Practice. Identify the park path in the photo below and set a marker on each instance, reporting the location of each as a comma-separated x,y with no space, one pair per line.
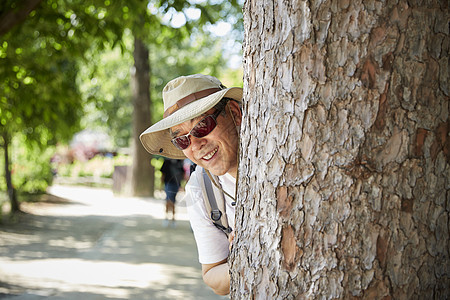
84,243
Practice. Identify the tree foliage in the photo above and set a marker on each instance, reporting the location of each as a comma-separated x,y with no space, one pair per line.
41,60
39,64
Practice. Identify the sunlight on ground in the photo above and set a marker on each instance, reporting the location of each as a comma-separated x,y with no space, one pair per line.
105,203
105,278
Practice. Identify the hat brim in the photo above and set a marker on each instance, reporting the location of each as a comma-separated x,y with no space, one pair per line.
157,139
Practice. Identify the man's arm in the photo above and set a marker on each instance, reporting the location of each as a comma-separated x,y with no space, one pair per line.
217,277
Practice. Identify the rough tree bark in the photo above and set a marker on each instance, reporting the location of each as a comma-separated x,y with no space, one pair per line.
142,172
344,182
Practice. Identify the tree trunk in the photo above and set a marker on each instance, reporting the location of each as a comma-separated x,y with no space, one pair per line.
142,172
344,181
15,205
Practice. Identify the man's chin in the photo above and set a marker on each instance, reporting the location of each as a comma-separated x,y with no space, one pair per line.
216,172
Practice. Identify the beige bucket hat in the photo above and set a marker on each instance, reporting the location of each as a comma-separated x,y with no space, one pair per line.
184,98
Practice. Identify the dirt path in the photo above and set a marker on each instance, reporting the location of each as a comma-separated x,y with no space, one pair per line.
84,243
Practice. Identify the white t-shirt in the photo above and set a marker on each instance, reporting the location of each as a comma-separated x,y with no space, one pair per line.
212,243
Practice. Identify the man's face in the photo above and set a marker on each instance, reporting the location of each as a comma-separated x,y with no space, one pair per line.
216,152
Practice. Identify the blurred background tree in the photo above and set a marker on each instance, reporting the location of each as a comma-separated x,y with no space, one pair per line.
68,66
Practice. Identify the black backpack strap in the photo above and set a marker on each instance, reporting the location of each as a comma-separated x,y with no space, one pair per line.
214,203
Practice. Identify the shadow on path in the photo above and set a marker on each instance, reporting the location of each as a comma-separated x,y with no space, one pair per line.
84,243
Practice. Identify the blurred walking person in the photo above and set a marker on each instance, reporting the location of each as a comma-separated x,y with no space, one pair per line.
172,175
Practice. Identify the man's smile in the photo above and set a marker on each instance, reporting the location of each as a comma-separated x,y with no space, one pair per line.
210,154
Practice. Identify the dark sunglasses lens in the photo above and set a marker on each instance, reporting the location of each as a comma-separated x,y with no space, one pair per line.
204,127
181,142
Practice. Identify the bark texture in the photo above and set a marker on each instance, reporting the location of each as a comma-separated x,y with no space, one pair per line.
142,172
344,177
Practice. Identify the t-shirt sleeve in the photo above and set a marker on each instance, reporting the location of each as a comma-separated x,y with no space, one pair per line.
212,243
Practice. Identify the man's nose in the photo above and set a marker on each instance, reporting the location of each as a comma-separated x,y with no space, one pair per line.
197,143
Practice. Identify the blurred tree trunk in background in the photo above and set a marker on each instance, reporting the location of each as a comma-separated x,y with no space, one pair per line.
344,181
15,205
142,172
11,18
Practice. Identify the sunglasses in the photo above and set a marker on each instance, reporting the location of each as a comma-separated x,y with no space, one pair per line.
201,129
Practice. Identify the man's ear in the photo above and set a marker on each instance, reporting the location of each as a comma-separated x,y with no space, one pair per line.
236,111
